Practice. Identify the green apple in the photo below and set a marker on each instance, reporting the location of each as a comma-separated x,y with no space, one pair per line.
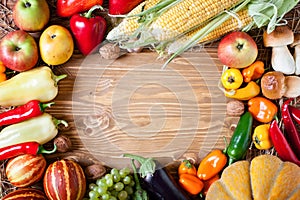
31,15
56,45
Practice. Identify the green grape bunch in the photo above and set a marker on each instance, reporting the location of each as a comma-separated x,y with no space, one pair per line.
116,185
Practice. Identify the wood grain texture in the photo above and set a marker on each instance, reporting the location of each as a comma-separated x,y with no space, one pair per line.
131,105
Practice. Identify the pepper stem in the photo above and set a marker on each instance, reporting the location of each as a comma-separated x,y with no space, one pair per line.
231,161
59,121
43,106
58,78
44,151
89,13
226,145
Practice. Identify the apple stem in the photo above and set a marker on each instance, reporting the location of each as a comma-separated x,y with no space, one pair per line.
27,4
240,46
89,13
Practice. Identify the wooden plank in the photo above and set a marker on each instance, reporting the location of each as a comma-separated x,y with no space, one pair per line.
131,105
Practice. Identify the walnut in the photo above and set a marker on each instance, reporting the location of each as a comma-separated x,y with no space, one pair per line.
235,108
63,143
110,51
95,171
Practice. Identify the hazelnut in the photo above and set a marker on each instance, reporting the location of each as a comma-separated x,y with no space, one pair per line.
95,171
63,143
235,108
110,51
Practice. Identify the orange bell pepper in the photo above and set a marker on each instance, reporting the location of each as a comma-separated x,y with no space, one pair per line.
254,71
211,164
186,167
262,109
2,72
208,183
191,183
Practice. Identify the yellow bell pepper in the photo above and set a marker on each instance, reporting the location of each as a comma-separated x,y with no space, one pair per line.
232,79
41,129
251,90
39,83
261,138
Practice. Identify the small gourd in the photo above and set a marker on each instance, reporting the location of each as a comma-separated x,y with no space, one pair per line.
265,177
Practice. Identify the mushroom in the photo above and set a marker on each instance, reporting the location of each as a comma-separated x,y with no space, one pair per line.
279,39
296,45
273,85
292,86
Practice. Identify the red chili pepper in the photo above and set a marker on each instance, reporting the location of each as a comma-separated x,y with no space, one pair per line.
281,145
292,134
88,31
67,8
31,109
295,112
33,148
120,7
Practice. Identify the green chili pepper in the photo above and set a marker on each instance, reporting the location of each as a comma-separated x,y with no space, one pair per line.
240,139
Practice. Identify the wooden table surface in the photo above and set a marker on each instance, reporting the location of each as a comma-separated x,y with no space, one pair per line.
131,105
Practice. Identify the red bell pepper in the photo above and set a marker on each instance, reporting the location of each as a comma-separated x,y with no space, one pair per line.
281,145
67,8
292,134
88,30
33,148
121,7
31,109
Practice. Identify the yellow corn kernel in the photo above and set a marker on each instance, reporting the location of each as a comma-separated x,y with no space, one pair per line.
130,24
241,20
186,15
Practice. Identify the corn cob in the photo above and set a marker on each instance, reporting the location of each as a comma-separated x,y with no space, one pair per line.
186,15
130,24
241,20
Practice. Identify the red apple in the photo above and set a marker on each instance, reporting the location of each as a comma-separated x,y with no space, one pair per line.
31,15
237,50
18,51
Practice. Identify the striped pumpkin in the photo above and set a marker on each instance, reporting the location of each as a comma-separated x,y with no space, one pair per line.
64,180
25,194
25,170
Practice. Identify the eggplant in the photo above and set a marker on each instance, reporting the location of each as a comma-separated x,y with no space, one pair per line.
157,181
